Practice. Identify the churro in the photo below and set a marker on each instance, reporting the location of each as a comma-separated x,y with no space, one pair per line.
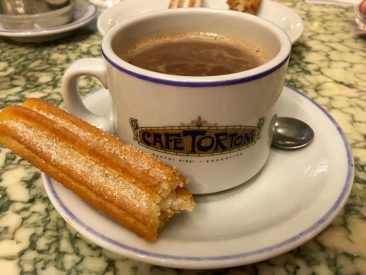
133,188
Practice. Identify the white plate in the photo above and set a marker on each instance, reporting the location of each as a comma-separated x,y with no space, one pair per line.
295,196
281,15
84,13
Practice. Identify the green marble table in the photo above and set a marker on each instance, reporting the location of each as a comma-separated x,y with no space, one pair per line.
328,64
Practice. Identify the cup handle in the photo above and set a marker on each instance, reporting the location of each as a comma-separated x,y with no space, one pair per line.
86,66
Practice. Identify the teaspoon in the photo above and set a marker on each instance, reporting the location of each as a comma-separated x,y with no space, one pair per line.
290,133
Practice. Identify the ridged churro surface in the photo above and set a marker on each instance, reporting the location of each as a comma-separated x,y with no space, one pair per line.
130,186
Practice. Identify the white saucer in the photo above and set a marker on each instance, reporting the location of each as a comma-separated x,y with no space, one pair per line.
296,195
279,14
84,13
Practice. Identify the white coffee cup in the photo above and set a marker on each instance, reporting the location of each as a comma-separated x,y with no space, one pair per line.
216,130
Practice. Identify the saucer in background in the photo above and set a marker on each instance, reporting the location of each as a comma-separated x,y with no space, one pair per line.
272,11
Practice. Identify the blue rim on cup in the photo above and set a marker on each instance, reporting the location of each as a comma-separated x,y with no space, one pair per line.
276,62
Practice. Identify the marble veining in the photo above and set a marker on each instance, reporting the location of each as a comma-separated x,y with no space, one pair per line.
328,63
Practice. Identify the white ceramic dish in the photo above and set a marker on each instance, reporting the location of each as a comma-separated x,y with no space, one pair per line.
294,197
279,14
84,13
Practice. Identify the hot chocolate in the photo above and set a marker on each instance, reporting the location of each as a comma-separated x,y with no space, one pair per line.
194,54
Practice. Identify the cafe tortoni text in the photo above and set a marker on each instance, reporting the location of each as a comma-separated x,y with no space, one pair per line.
197,138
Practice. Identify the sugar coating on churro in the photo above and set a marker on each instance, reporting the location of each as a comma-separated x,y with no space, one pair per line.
106,181
155,173
104,171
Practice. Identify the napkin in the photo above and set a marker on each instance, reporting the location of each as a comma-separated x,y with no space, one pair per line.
334,2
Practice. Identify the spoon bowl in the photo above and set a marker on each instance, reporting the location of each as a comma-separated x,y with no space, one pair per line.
291,133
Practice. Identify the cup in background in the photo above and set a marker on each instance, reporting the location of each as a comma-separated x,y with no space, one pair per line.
35,15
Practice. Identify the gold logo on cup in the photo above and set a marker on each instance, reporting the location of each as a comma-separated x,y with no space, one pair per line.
199,138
